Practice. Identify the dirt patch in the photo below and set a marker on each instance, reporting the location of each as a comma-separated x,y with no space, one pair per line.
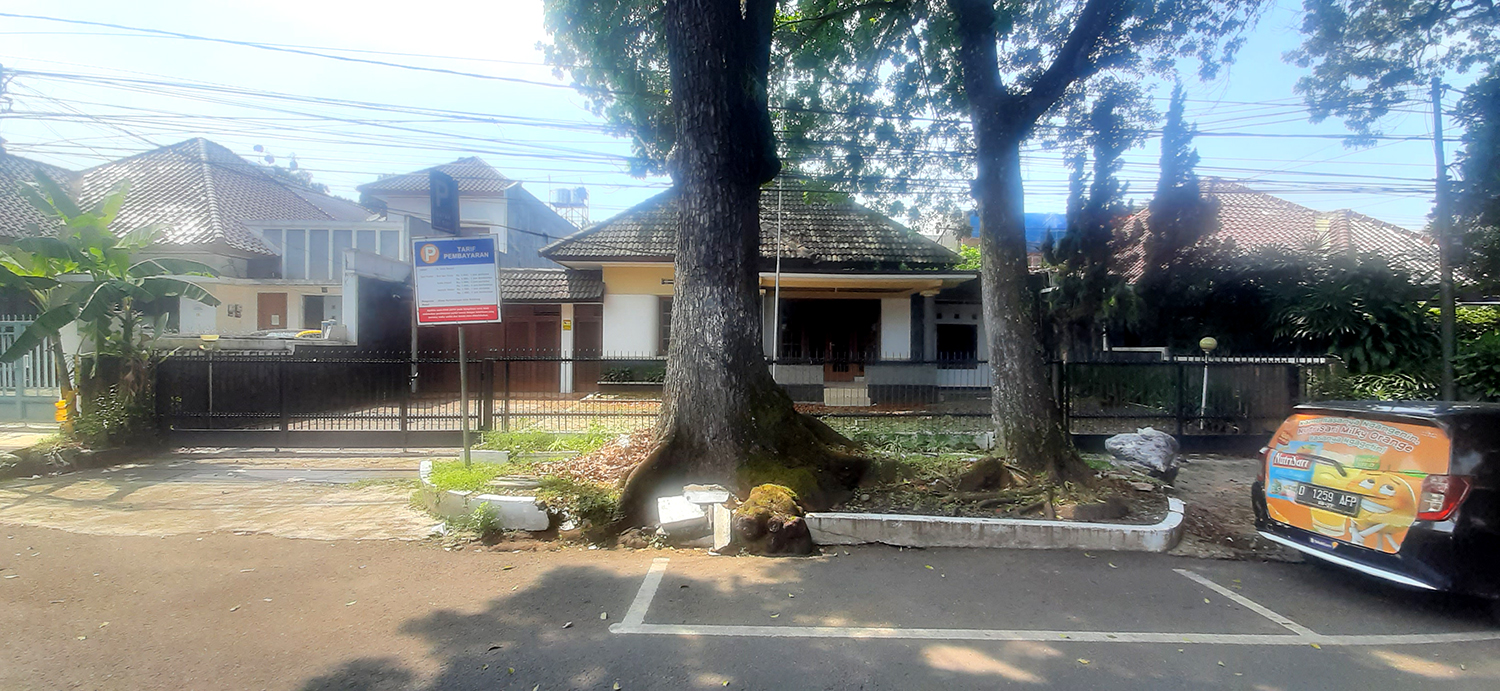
610,463
931,486
1220,521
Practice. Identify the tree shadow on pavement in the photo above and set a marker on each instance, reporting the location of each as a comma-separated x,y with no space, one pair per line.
550,636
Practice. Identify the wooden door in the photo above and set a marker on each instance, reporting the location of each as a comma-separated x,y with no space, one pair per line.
270,311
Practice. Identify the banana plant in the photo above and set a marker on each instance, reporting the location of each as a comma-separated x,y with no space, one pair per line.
78,270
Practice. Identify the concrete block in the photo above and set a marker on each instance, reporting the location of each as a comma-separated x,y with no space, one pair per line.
512,513
705,494
488,456
720,517
941,531
680,517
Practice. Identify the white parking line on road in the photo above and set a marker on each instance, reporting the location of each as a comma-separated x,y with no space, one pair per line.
1247,603
635,617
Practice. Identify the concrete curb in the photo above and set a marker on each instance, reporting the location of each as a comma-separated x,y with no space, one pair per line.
513,513
905,530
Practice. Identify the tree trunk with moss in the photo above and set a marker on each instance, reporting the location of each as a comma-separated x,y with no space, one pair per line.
724,419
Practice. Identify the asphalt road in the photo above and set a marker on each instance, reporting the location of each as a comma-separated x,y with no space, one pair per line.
221,611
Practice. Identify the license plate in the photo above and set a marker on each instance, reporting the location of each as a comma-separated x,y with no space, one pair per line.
1337,501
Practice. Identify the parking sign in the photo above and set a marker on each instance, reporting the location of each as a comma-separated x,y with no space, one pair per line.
456,280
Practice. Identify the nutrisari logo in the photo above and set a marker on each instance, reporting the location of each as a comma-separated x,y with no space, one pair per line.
1282,459
429,253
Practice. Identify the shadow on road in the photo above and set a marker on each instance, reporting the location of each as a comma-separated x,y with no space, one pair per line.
519,640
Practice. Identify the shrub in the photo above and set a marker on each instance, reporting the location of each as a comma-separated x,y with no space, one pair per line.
589,502
1478,369
1377,387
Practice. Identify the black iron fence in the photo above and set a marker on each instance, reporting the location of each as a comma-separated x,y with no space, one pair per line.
221,399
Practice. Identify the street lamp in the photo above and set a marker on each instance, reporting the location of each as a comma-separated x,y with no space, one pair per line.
1208,344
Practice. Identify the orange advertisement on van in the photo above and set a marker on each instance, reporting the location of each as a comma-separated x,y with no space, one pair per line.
1352,480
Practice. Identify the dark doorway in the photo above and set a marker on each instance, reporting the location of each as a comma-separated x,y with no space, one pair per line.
841,334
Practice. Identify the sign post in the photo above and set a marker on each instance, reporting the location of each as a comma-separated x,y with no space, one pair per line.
457,282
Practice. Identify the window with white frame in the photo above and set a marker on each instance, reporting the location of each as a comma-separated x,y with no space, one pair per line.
316,254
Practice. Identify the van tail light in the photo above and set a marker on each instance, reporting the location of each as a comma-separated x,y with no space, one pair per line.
1441,494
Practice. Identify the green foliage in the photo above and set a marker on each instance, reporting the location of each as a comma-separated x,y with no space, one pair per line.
892,442
1476,192
633,374
770,471
1368,58
107,291
454,475
1360,308
1089,293
1371,387
968,258
1181,219
113,418
616,54
482,520
534,440
590,502
1477,367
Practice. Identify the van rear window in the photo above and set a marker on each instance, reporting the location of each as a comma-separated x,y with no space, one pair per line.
1352,479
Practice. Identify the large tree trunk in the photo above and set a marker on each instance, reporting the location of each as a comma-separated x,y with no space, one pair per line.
724,419
1027,418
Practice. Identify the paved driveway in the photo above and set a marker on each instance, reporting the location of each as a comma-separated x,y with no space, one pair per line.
179,495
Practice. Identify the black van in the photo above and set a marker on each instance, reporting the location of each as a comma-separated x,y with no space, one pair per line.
1404,491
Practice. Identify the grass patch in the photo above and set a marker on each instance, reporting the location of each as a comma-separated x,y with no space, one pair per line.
534,440
588,502
393,483
475,478
931,424
1099,462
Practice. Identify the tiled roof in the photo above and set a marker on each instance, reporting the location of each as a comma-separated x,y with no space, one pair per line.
17,216
1253,220
472,174
551,285
204,194
814,234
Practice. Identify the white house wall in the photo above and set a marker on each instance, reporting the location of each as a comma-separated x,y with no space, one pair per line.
630,325
895,328
472,211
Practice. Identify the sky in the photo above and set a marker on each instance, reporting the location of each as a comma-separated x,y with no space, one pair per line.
85,95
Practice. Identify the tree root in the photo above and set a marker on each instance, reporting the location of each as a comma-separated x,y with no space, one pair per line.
802,448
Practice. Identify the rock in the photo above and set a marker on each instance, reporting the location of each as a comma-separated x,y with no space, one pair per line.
985,474
1106,510
1143,486
1148,449
635,538
770,522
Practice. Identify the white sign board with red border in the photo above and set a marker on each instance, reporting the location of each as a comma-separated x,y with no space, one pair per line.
457,281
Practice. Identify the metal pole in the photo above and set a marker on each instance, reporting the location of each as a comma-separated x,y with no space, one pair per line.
463,394
1440,226
776,299
1203,404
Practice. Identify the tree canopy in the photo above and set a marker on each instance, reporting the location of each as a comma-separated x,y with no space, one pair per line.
1368,57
